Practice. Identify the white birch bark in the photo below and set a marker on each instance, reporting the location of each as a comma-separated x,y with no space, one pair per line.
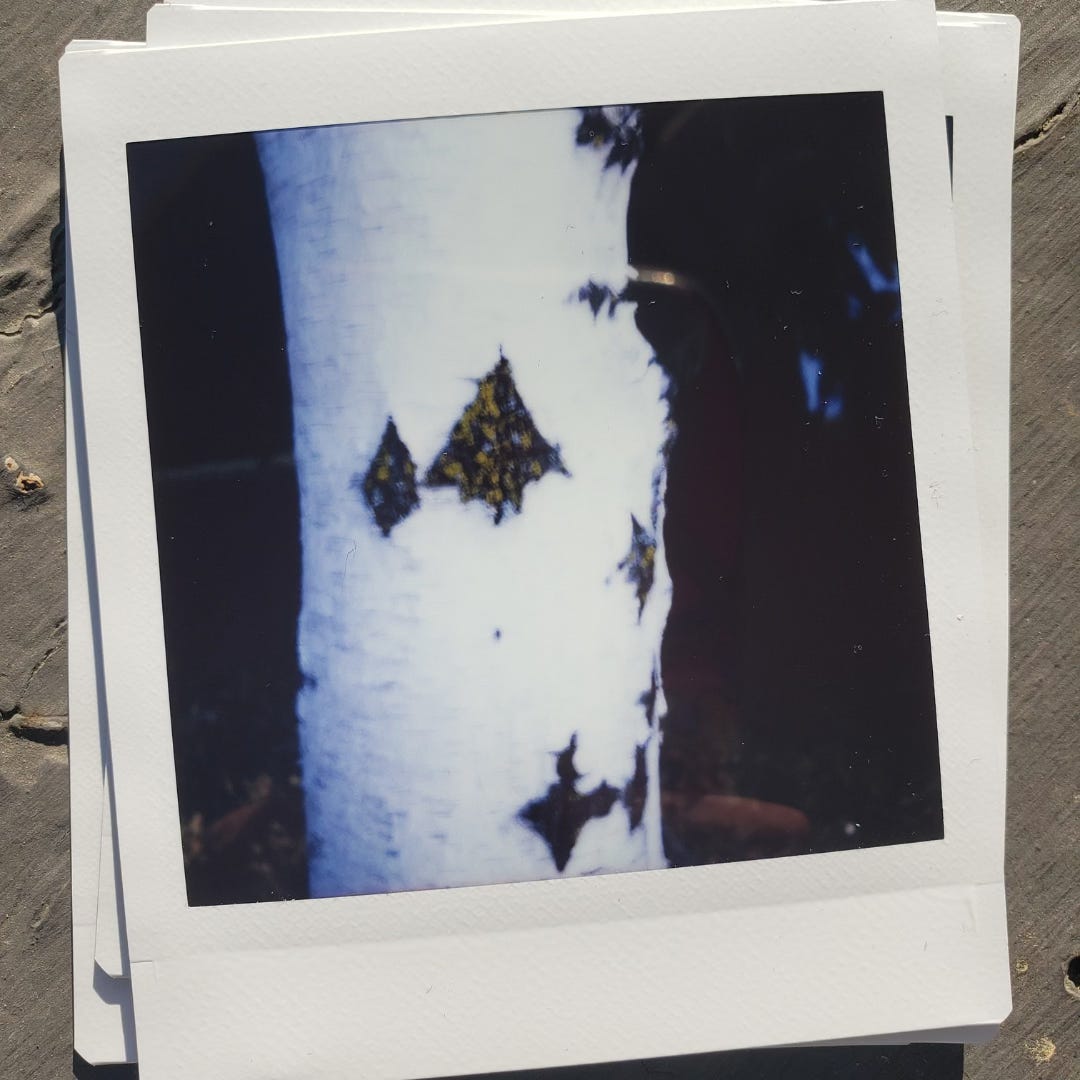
447,663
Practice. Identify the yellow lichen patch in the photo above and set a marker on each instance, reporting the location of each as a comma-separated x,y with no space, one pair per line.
389,486
648,557
10,464
1040,1050
1021,967
640,562
494,449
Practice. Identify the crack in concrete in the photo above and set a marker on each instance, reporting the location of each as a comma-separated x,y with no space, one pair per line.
1038,134
37,667
33,316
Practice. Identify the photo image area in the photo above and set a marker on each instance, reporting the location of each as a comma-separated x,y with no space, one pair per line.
535,495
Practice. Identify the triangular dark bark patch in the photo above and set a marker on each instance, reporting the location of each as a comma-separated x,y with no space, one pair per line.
389,485
495,449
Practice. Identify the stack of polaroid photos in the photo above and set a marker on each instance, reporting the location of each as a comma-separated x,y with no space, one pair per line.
537,532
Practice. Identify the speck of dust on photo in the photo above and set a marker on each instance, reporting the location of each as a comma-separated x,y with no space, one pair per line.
535,495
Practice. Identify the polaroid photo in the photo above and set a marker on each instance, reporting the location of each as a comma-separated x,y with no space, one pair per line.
175,25
396,934
981,59
560,9
103,1021
103,1018
186,25
205,24
979,63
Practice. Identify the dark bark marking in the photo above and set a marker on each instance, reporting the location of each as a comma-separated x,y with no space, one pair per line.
648,698
389,485
562,813
495,448
640,562
637,788
616,128
596,296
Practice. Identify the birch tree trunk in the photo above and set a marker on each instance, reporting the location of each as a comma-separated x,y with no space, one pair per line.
480,459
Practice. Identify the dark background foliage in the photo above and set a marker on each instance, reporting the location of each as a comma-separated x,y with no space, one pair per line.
797,658
220,416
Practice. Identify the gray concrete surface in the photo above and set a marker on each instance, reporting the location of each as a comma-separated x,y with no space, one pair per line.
1041,1039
